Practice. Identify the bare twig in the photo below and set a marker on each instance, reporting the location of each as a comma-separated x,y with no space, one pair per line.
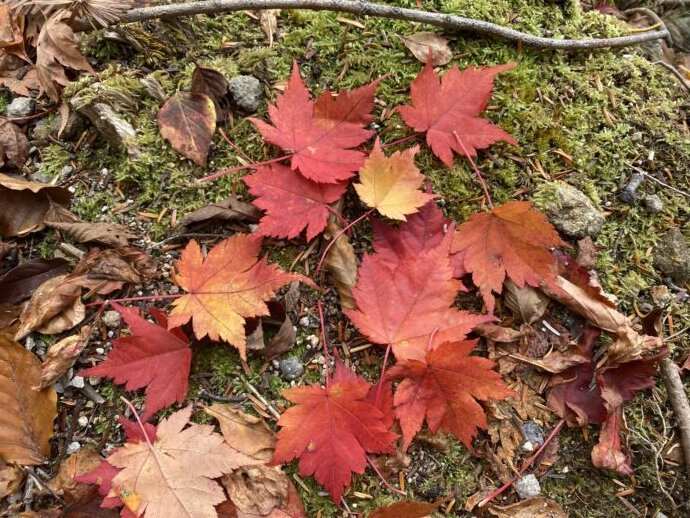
365,8
679,404
675,72
654,179
258,396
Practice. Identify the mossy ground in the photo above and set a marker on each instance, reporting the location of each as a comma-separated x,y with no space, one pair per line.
578,117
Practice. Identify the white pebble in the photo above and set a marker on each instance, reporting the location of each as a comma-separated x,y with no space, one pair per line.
73,447
83,421
77,381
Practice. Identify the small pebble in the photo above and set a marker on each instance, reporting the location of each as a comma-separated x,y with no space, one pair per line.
313,340
73,447
527,487
77,382
653,203
112,319
100,350
533,434
305,321
291,368
83,421
21,107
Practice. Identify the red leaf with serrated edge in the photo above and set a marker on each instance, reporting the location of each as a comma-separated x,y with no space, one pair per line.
292,202
151,357
321,133
410,305
444,389
448,108
512,240
330,430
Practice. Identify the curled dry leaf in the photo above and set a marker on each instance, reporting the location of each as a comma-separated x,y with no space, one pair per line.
24,205
110,234
188,121
243,432
210,83
129,264
229,209
281,336
14,146
405,509
26,420
63,484
535,507
11,478
526,303
341,263
257,490
62,355
21,281
423,44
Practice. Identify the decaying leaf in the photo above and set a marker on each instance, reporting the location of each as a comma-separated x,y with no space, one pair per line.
535,507
26,420
341,263
424,44
24,205
209,82
281,336
229,209
228,285
110,234
106,270
62,355
73,466
21,281
526,303
14,146
391,184
257,490
245,433
11,478
268,19
173,477
405,509
188,121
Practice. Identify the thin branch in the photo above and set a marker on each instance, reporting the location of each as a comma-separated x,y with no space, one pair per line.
679,404
654,179
365,8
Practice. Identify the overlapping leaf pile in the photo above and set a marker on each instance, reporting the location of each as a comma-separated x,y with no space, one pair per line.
403,299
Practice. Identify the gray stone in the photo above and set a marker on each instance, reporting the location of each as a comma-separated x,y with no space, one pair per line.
247,92
527,487
72,448
291,368
112,319
533,434
21,107
653,203
569,210
672,256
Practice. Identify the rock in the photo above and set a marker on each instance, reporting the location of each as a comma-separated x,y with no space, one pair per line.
112,319
21,107
569,210
291,368
83,421
77,382
73,447
527,487
533,434
247,92
653,203
672,256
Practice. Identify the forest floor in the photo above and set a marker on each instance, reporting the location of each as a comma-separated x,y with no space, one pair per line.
578,117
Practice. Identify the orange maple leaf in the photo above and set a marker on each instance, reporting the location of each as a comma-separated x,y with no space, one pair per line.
225,287
391,184
445,388
512,240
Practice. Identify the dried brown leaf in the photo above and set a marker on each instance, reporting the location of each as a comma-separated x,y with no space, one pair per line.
24,205
11,478
68,318
229,209
21,281
421,44
210,83
268,19
26,420
188,121
110,234
14,146
244,433
280,329
527,303
341,263
63,483
129,264
535,507
62,355
256,490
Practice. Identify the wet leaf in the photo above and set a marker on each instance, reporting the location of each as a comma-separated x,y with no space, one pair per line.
422,44
26,420
188,121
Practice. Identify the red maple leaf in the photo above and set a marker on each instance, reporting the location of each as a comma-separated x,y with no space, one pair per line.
321,133
444,389
330,430
512,240
448,108
292,202
151,357
409,305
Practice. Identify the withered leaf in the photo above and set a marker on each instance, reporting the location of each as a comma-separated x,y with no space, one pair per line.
273,344
188,121
24,204
256,490
14,146
526,303
26,420
268,19
21,281
62,355
11,478
210,83
229,209
129,264
245,433
341,263
110,234
77,464
535,507
421,44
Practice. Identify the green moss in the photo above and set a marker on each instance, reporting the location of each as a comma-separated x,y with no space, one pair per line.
54,158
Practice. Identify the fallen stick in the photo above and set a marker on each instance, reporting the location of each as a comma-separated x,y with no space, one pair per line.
364,8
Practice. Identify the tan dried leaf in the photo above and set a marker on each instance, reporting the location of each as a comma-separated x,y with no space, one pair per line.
110,234
245,433
63,483
14,146
341,263
422,43
24,205
174,476
11,478
256,490
229,209
268,19
68,318
26,420
62,355
527,303
535,507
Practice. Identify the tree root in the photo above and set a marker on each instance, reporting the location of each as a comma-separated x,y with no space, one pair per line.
365,8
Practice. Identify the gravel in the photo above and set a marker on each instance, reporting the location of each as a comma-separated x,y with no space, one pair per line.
247,92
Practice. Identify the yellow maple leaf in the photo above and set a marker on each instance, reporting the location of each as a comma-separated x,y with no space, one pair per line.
228,285
391,184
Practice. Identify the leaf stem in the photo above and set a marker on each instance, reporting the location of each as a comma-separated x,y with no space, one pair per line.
335,238
232,170
324,339
141,425
524,467
476,170
400,141
337,215
383,479
135,299
383,372
234,146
